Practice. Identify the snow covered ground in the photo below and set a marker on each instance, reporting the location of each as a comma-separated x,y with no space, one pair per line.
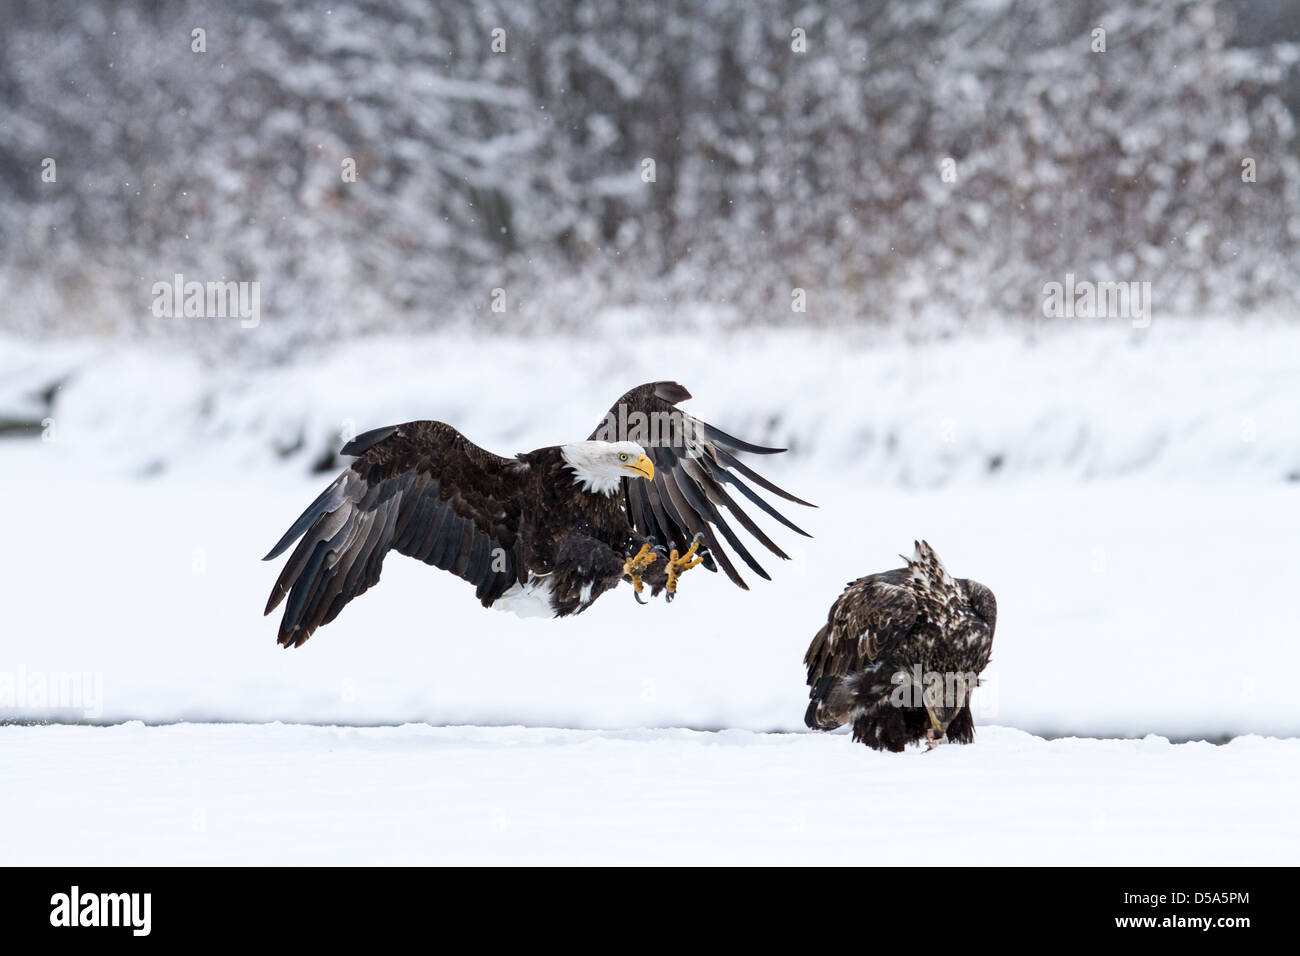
1126,608
1130,496
1123,491
280,794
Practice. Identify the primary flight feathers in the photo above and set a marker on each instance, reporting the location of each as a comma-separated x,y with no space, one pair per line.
545,532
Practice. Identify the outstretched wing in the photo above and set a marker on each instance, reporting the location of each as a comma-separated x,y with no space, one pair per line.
695,464
420,488
872,613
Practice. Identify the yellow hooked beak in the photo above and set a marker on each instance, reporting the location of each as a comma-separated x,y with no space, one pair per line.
643,466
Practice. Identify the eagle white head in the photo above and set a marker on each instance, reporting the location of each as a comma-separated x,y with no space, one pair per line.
601,466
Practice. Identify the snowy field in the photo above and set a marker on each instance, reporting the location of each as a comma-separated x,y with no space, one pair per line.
278,794
1129,495
1113,619
1138,530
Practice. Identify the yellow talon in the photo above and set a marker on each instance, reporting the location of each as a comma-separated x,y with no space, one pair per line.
634,565
679,563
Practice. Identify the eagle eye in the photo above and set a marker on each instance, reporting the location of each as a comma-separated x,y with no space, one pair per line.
622,456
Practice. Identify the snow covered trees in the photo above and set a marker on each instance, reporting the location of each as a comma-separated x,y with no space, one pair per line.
381,165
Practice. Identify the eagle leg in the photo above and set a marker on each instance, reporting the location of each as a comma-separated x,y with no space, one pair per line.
684,562
637,563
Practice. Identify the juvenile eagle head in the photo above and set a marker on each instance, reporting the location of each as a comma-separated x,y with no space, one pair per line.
601,466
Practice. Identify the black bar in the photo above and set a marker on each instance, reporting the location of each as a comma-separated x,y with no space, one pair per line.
214,905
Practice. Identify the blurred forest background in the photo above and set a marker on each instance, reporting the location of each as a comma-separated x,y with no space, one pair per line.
522,170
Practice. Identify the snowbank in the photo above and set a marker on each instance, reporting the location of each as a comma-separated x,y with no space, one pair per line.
1209,400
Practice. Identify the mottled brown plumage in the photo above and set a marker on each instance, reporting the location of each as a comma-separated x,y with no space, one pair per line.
900,653
548,528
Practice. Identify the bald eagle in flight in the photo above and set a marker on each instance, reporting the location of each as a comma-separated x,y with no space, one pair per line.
543,533
900,653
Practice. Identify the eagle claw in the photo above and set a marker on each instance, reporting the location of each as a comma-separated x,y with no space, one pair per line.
633,567
683,562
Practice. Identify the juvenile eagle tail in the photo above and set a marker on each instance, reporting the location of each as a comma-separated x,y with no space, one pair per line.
830,706
925,567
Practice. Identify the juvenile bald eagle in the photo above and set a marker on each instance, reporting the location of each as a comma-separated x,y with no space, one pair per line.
543,533
900,653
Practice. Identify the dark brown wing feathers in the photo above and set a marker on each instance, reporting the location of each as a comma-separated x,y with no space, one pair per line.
983,601
871,613
692,464
421,489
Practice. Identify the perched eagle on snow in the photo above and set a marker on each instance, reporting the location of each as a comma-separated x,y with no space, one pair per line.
900,653
543,533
